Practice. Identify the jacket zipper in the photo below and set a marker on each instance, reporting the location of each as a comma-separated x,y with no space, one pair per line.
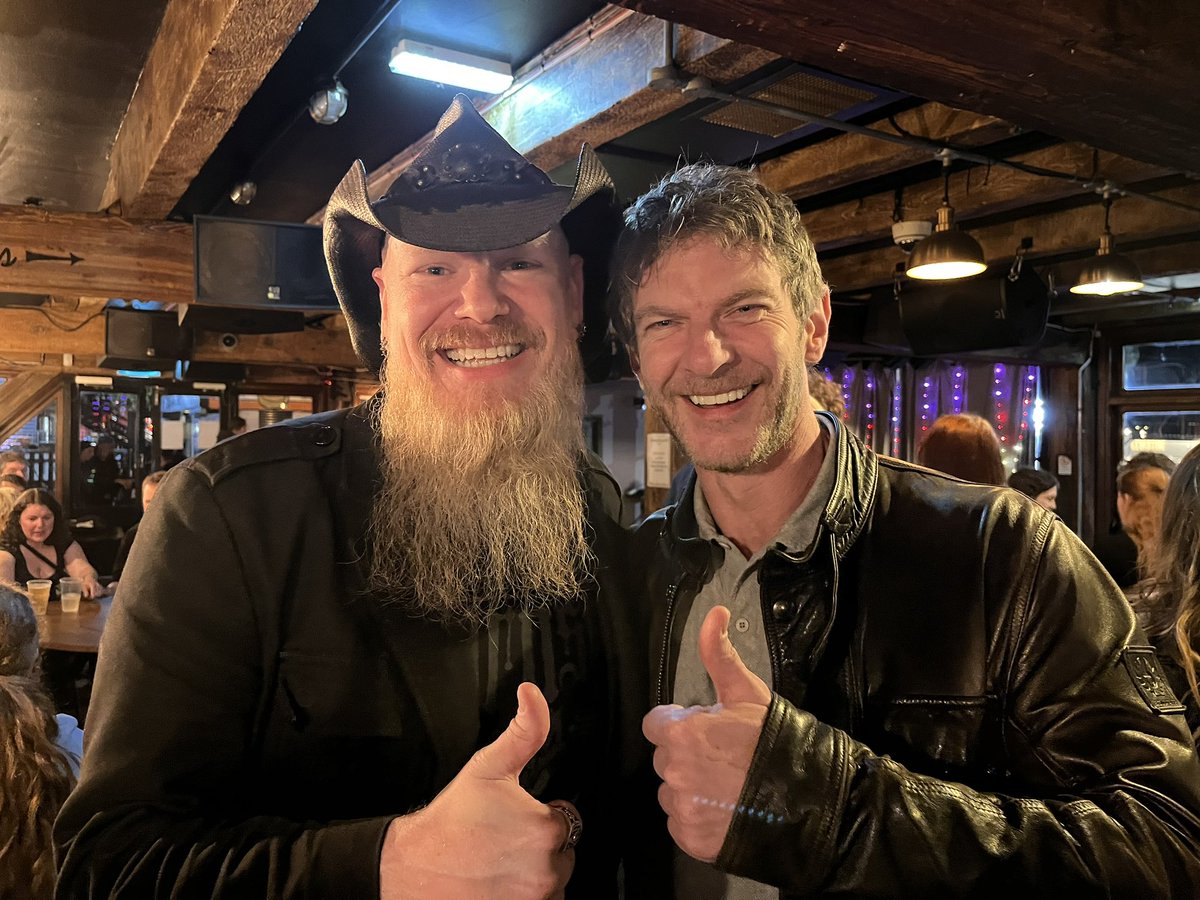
663,656
773,643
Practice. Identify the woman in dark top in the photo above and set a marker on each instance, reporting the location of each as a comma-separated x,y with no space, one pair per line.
36,543
1168,602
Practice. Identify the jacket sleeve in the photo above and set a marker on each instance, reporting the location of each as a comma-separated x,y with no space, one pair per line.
1103,795
160,809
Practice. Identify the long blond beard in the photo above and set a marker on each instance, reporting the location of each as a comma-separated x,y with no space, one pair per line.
480,509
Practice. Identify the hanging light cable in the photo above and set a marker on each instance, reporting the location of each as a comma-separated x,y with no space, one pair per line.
948,253
1108,273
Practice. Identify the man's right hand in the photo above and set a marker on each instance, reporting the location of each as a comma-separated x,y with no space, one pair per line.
483,836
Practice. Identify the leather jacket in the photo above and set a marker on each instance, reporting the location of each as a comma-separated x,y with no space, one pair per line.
258,719
962,702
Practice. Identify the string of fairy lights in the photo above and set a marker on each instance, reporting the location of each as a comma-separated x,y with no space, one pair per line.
939,393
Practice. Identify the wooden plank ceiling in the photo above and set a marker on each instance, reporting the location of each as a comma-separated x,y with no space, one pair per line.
1101,88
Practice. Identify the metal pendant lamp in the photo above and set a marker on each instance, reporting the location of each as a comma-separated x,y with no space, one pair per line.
948,253
1108,273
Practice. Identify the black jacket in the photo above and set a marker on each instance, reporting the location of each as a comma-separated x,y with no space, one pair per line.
257,721
963,704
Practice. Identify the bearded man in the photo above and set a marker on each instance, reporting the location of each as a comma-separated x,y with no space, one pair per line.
372,653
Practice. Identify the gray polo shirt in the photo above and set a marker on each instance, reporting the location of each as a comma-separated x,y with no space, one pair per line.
735,585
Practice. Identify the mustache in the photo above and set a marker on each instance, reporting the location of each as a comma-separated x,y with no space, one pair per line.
482,336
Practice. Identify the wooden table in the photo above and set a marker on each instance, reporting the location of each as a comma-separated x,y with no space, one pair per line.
74,632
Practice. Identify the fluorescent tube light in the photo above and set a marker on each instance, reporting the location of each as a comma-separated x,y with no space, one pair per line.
450,67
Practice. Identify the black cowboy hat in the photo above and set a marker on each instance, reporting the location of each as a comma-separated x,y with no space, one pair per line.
467,190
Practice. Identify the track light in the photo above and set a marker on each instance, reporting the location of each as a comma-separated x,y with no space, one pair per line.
1108,273
465,70
329,104
947,253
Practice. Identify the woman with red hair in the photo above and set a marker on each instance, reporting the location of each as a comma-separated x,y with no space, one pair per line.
965,446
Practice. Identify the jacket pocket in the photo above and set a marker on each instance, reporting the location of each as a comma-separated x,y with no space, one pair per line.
345,735
326,696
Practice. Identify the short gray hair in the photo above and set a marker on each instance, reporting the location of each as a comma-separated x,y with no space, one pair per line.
722,202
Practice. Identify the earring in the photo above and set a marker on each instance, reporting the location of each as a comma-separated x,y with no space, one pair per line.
581,329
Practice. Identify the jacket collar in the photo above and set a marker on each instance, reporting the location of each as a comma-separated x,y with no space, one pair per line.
850,502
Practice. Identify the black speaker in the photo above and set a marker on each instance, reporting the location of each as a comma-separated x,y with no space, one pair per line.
143,339
262,265
883,327
239,320
983,313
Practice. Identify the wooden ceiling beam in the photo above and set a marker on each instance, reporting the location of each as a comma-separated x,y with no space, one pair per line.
90,254
209,58
311,347
851,158
975,193
49,332
1056,233
592,86
1108,74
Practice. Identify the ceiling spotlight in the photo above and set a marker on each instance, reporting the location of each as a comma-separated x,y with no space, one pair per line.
328,105
465,70
243,193
947,253
1108,273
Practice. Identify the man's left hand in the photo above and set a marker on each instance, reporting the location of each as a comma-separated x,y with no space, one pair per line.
702,753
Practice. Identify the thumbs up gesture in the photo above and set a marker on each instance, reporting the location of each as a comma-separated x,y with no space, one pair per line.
702,753
484,836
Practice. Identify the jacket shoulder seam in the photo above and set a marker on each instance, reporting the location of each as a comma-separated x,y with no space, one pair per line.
309,438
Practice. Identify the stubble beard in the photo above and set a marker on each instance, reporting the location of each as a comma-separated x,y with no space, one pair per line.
481,507
771,436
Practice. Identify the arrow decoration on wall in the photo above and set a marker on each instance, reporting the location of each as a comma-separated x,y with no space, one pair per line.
30,256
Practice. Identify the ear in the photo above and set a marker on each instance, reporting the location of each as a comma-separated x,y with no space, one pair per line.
377,275
816,331
575,289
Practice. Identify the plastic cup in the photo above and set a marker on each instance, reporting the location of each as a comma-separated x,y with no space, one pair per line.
39,594
71,590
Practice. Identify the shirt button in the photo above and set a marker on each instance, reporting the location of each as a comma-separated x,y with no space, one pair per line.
324,436
783,609
742,625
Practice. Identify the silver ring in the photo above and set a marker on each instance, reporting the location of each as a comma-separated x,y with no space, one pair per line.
574,824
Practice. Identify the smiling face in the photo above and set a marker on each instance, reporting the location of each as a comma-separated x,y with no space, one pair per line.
37,523
480,326
722,353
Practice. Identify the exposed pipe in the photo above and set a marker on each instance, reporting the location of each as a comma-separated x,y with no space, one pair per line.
366,34
702,87
1078,468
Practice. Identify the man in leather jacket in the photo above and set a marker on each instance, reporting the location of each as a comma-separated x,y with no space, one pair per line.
381,652
874,679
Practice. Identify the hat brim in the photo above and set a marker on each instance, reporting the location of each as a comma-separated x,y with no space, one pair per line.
354,231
